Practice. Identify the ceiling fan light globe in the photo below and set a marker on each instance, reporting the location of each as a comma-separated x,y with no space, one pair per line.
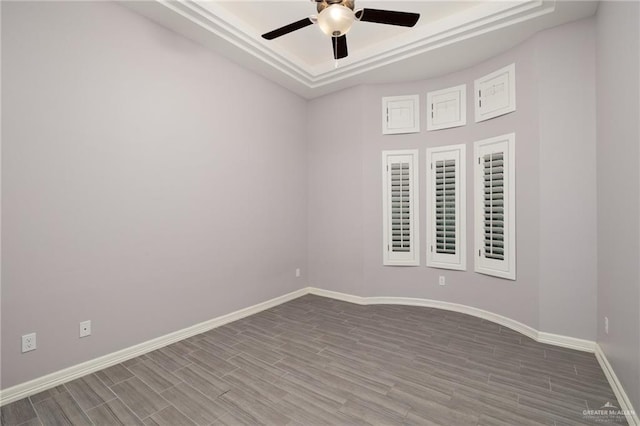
336,20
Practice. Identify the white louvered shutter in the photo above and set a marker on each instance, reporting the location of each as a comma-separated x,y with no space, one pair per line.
446,207
400,207
495,206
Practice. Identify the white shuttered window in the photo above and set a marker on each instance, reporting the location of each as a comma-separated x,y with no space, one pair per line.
495,214
446,207
400,208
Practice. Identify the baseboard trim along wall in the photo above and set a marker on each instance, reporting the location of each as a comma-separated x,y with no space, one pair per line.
49,381
52,380
618,390
552,339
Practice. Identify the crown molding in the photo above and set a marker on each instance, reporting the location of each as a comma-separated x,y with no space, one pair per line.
430,49
222,25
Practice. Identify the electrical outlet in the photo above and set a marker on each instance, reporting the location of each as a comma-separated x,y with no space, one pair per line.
297,272
441,280
85,328
606,325
29,342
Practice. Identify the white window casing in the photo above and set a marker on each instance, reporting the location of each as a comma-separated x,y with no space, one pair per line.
495,93
400,114
401,243
447,108
495,206
446,207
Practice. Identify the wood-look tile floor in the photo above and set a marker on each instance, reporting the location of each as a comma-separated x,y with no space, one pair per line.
317,361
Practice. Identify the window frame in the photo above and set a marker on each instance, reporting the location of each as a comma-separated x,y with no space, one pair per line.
412,103
391,258
505,268
456,94
482,112
441,260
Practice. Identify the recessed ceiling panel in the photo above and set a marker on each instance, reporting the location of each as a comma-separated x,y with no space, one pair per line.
449,35
313,47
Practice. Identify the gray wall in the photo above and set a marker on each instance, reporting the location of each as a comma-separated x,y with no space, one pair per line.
147,184
555,157
618,150
567,125
335,223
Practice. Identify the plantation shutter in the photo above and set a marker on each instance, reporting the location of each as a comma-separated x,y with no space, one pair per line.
493,203
445,205
495,206
446,215
400,208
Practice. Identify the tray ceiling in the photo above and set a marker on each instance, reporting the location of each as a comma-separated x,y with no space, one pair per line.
450,35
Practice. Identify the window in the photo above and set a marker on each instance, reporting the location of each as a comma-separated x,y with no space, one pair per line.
401,245
446,207
495,93
495,214
447,108
400,114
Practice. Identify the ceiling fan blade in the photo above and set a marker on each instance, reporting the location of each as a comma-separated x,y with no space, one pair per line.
389,17
288,28
339,47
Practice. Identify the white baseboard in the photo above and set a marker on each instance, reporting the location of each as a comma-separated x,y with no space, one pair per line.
553,339
618,390
463,309
57,378
358,300
566,342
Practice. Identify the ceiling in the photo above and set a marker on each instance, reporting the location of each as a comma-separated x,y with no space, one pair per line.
449,36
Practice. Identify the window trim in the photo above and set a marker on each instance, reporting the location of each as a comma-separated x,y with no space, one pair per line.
481,113
499,268
388,255
459,261
414,102
457,94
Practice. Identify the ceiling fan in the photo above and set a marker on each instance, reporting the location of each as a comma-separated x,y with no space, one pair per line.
335,18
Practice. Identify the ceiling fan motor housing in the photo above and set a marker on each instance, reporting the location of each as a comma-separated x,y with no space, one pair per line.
323,4
335,18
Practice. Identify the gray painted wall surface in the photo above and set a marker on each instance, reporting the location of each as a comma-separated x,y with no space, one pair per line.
566,113
147,184
335,221
618,150
548,280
